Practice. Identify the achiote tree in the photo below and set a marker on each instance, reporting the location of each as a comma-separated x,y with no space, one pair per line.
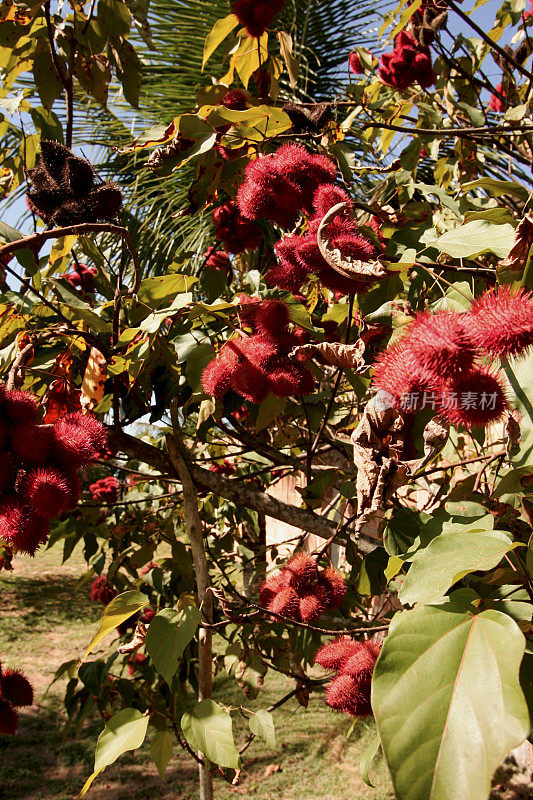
352,312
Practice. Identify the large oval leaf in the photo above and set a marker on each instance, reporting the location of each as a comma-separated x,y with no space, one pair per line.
168,635
208,728
477,237
448,558
447,701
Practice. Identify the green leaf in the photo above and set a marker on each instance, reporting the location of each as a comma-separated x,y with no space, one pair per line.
519,374
262,724
367,758
221,29
161,751
498,188
125,731
208,727
153,292
450,557
121,608
447,701
292,63
269,410
168,635
77,308
477,237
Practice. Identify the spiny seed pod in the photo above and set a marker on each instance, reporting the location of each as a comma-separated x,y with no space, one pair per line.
395,372
78,439
271,317
8,718
302,571
272,586
355,63
102,591
474,399
291,380
19,407
346,695
334,587
105,489
361,664
440,345
500,322
16,688
286,603
335,653
326,196
48,491
32,533
256,15
408,63
311,607
32,443
217,378
8,472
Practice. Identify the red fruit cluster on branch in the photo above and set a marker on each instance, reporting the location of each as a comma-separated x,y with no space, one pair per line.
298,256
408,63
233,230
442,355
225,468
259,364
105,489
279,186
495,103
218,260
38,479
15,691
354,663
256,15
235,99
302,591
102,591
354,62
82,278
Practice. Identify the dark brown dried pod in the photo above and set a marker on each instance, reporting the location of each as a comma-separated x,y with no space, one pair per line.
312,119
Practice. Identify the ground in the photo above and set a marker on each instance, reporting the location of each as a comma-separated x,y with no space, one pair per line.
48,620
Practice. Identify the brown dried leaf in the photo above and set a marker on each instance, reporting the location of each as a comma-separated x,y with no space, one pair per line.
512,430
518,255
302,694
139,637
92,388
339,355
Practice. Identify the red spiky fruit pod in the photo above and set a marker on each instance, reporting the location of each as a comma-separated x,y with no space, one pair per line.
440,345
226,468
11,518
250,382
495,103
148,615
355,63
79,439
286,603
333,587
219,260
271,587
8,472
256,15
235,99
301,571
48,492
31,443
360,665
271,317
267,192
395,372
105,489
32,533
82,279
102,591
20,408
290,272
500,322
326,196
335,653
408,63
8,718
235,231
305,170
347,695
16,688
311,606
474,399
291,380
216,378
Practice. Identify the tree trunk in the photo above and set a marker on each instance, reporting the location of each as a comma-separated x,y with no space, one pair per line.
194,528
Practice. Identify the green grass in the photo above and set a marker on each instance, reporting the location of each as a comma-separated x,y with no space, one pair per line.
45,622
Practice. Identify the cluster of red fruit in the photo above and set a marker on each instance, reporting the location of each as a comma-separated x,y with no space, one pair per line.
256,15
225,468
102,591
15,691
354,663
443,354
496,103
82,278
255,365
409,62
232,229
39,467
298,256
105,489
301,591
